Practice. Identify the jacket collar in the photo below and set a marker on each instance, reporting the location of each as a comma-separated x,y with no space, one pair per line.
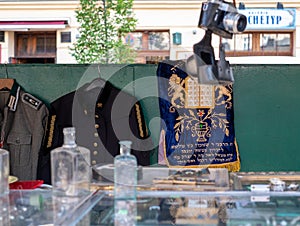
14,97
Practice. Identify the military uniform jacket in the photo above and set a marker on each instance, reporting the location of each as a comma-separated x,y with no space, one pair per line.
23,124
102,117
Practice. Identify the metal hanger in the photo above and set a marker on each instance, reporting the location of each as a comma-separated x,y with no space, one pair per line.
96,83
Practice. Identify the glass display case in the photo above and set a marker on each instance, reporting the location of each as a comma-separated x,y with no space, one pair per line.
38,207
167,197
281,181
238,208
181,196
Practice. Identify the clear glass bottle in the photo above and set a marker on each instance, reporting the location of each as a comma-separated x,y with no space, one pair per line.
4,171
125,182
6,214
70,167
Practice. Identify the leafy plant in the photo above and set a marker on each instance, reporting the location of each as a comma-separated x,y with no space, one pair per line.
103,25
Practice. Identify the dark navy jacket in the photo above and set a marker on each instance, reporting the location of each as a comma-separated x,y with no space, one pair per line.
102,117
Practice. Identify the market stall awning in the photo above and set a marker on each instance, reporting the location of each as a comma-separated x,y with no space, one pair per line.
33,25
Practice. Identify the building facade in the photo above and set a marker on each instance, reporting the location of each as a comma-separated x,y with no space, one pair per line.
43,31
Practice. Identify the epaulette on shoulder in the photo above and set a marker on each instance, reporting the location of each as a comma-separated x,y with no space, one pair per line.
143,131
31,101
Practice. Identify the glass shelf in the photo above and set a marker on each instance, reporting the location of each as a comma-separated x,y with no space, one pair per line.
206,208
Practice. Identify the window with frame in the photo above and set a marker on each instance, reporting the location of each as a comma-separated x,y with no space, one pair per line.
260,44
151,45
65,37
35,44
2,36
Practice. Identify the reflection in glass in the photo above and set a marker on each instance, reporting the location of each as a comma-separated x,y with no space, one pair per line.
239,42
134,40
158,41
267,42
275,42
148,40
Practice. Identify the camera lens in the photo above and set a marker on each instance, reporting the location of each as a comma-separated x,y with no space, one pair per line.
235,22
241,23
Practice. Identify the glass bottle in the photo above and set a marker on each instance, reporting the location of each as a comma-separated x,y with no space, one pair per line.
70,167
125,182
4,171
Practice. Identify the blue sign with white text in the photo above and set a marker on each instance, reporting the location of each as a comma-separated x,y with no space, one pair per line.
270,19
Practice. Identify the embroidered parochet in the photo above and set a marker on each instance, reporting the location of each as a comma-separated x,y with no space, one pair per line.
198,120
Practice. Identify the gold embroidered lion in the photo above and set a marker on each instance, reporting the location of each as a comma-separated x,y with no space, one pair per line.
224,95
176,91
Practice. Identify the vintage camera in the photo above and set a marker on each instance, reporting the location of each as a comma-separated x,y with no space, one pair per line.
222,18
